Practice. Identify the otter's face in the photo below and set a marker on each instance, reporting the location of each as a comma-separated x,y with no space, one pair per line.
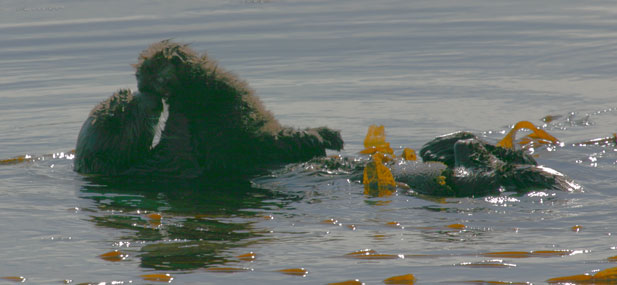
158,75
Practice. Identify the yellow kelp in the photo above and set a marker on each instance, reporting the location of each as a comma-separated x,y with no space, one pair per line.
605,276
29,158
19,279
538,136
401,279
251,256
158,277
114,256
378,180
409,154
375,141
528,254
294,271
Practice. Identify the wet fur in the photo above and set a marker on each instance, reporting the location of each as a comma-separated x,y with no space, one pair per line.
118,133
216,124
476,168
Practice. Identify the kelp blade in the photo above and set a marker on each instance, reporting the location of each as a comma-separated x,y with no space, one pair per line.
538,135
409,154
375,141
378,180
401,279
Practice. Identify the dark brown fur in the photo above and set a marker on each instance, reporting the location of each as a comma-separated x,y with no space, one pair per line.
216,124
118,133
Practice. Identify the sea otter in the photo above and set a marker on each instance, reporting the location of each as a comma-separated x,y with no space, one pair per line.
215,124
462,165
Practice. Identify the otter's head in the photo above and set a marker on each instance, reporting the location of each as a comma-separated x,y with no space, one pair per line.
162,68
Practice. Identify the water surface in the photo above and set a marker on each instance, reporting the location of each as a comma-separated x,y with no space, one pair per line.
420,68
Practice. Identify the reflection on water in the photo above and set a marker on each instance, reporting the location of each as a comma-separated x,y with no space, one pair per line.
197,224
420,68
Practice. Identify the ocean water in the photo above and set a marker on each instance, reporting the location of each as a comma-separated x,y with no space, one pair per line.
420,68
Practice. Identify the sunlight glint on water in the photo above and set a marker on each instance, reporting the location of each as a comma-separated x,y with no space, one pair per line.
420,68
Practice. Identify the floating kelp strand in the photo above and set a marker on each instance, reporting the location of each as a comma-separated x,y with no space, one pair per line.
158,277
401,279
294,271
456,226
69,155
528,254
394,224
154,219
19,279
251,256
155,216
605,276
537,136
331,221
114,256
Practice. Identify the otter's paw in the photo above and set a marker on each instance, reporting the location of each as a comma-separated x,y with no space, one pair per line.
332,139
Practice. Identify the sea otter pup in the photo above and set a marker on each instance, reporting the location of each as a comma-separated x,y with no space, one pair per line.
462,165
215,124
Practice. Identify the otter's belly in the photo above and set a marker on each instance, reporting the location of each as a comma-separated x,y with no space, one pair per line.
436,179
422,177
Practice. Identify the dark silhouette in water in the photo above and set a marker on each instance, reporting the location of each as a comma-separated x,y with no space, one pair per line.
215,125
462,165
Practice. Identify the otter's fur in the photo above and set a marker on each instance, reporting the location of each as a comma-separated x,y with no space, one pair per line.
216,124
118,133
462,165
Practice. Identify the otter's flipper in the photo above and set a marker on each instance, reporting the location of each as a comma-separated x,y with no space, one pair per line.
299,145
118,133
